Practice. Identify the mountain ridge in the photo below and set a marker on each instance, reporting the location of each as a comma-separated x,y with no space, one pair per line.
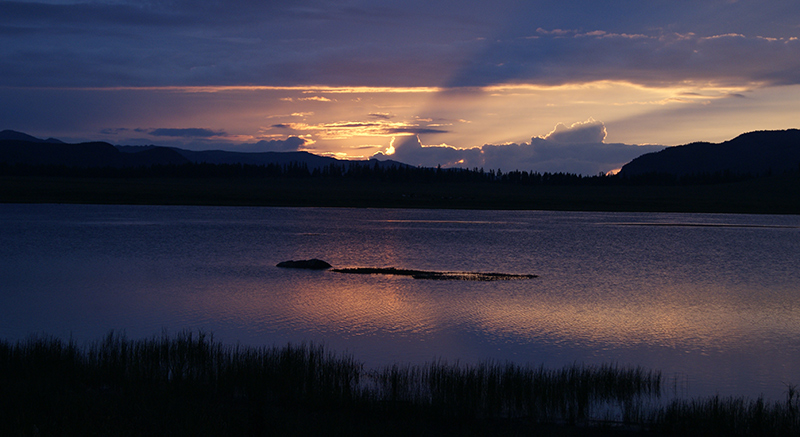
81,155
755,153
14,135
21,148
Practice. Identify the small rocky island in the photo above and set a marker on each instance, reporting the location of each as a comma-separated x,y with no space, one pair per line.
309,264
317,264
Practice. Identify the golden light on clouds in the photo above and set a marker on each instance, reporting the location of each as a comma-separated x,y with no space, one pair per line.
349,129
465,75
390,150
352,121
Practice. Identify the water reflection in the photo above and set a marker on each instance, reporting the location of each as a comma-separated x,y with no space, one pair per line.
386,320
712,326
714,298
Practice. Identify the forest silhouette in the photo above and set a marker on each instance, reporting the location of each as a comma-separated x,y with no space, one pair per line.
698,177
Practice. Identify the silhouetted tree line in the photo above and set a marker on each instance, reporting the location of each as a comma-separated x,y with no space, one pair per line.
370,172
704,178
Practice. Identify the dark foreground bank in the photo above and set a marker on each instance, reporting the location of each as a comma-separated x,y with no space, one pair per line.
765,195
188,384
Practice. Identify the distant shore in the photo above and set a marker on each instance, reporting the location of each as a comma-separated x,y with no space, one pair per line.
768,195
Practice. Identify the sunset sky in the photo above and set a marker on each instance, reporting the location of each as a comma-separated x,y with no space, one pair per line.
573,85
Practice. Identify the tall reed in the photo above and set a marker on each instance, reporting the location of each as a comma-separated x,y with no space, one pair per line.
190,383
493,389
731,416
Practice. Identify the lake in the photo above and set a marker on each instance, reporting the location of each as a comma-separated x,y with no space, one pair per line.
709,299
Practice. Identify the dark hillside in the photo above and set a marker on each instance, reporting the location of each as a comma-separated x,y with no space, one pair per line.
17,148
256,158
83,155
153,156
226,157
693,178
14,135
754,153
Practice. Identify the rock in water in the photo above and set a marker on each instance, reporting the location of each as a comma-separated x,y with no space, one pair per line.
444,276
311,264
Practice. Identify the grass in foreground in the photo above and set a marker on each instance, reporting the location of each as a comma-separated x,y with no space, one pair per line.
188,384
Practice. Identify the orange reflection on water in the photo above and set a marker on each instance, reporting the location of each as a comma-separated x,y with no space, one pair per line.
354,305
678,324
357,306
332,303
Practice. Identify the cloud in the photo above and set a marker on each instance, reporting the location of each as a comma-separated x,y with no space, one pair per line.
114,131
349,129
589,131
414,130
103,58
291,144
578,148
316,99
179,42
653,59
186,133
409,150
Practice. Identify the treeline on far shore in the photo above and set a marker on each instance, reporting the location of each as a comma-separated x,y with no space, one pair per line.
373,171
373,184
189,384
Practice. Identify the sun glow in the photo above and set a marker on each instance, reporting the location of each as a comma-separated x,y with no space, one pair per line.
340,120
390,150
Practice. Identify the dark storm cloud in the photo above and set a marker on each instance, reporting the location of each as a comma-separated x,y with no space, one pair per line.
114,131
413,130
154,43
578,148
123,131
655,59
186,133
291,144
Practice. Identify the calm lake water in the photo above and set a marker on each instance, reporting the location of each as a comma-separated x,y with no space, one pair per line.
710,299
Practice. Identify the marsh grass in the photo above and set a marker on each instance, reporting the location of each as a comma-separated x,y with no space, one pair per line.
572,394
731,416
188,383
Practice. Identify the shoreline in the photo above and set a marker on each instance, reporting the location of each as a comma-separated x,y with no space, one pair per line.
775,195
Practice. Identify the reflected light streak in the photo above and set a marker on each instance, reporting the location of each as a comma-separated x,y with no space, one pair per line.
388,305
350,308
706,327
